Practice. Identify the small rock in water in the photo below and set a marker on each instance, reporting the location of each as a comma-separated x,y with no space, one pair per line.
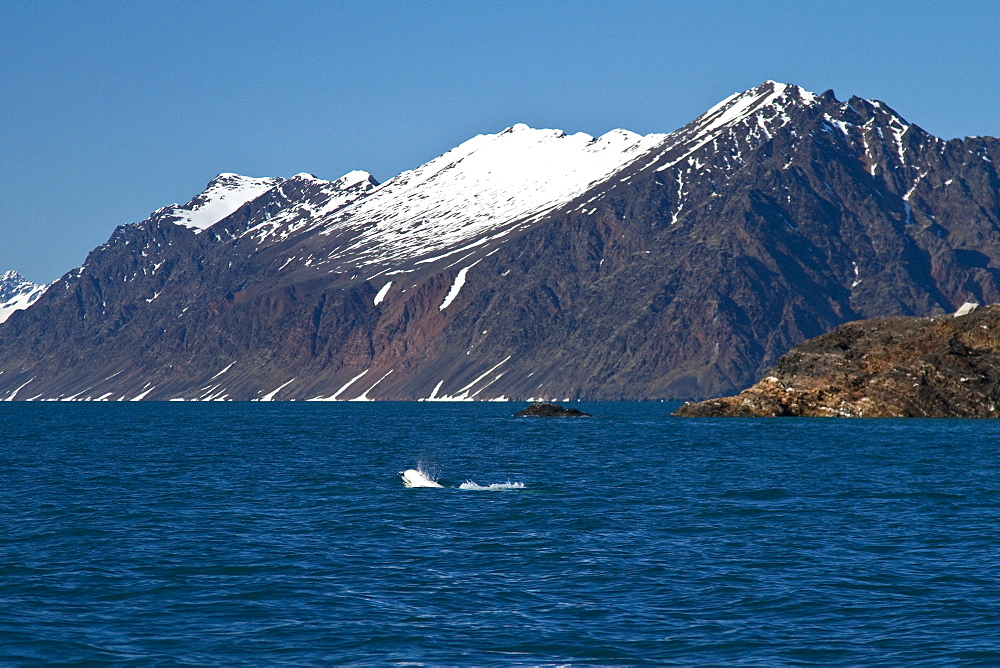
539,409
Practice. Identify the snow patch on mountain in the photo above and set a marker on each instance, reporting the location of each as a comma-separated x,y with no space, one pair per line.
17,293
382,293
456,287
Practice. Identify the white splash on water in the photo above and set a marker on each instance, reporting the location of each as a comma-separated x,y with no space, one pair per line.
419,478
468,484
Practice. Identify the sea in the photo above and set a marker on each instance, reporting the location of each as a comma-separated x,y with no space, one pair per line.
234,534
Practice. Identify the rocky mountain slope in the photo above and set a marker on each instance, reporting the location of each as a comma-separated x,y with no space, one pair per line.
531,264
941,366
17,293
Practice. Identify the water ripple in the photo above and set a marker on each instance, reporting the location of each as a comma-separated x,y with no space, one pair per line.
240,535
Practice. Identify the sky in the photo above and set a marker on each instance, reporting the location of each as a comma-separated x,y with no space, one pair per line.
110,110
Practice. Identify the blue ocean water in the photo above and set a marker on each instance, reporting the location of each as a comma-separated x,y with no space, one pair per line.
250,534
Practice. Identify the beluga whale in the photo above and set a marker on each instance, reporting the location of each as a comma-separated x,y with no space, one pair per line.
415,478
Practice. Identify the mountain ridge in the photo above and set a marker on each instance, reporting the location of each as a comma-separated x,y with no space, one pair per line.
682,270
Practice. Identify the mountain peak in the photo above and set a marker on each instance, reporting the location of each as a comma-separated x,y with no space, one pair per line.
740,106
16,293
222,196
231,181
517,127
11,276
354,178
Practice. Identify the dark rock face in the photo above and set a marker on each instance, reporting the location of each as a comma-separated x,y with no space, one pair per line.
941,366
687,273
541,409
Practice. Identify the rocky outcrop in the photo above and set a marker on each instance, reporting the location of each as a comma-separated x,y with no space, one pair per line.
941,366
542,409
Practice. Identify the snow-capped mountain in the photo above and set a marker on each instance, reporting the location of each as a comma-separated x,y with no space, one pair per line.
531,264
17,293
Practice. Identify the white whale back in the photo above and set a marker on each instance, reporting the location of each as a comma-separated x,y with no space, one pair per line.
415,478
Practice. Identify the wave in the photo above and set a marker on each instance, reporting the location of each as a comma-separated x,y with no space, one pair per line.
468,484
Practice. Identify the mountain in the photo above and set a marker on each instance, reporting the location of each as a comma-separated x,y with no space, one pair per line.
16,293
531,264
940,366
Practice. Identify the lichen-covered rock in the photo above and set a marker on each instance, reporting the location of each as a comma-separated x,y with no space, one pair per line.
539,409
942,366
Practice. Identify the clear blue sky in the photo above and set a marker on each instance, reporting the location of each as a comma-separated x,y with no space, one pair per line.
110,110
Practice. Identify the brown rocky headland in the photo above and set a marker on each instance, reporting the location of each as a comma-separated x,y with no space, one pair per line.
940,366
